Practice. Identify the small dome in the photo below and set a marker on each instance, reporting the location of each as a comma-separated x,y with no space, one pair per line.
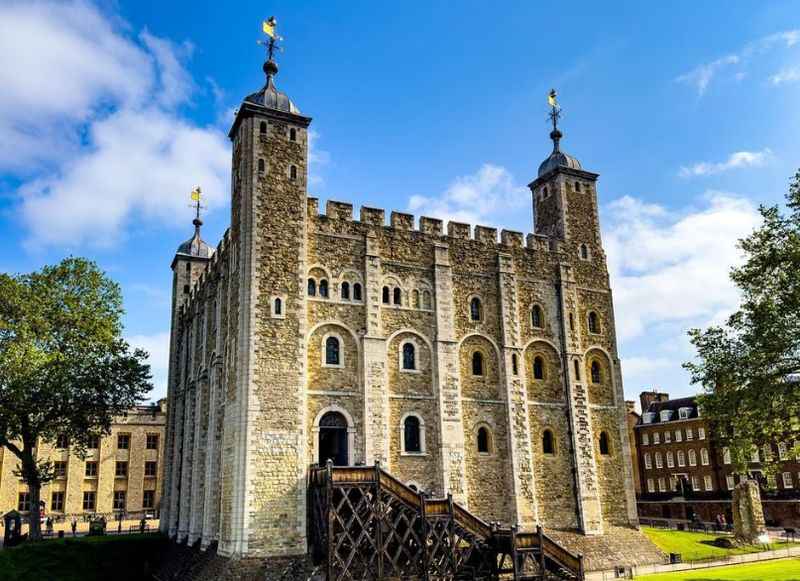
270,97
558,159
195,245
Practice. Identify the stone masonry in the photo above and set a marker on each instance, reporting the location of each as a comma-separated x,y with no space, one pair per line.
481,367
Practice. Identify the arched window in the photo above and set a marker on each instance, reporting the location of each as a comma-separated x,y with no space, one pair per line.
415,298
292,172
357,291
386,295
484,441
594,323
605,446
292,134
332,348
312,287
397,296
577,370
596,376
346,291
536,317
475,309
477,363
323,288
411,435
426,299
538,367
278,306
409,356
263,128
260,166
514,366
584,252
548,442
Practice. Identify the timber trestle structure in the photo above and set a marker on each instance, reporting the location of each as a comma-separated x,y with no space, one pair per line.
364,524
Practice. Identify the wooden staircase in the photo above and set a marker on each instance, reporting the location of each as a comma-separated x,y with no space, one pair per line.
364,524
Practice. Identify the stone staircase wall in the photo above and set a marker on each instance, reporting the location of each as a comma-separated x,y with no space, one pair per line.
616,546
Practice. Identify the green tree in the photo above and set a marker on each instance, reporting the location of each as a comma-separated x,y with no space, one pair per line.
64,367
750,367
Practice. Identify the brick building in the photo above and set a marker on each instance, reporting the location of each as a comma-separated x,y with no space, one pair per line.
122,472
468,365
685,472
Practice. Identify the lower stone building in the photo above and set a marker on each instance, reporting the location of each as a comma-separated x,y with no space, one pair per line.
121,473
685,473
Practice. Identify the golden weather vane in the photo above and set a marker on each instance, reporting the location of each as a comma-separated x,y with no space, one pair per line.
196,195
269,27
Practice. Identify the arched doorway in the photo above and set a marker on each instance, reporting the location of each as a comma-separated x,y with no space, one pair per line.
333,439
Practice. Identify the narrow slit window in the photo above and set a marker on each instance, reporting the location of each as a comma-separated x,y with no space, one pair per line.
278,307
475,309
605,446
484,441
538,367
357,291
548,443
596,375
260,166
312,287
292,134
577,370
514,366
477,363
263,128
293,172
386,295
536,317
397,296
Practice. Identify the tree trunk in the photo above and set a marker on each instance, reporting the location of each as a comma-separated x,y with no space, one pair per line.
31,476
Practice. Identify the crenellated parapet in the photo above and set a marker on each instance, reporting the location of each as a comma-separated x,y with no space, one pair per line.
338,218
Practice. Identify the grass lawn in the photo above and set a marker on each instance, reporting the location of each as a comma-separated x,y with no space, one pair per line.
781,570
698,546
101,558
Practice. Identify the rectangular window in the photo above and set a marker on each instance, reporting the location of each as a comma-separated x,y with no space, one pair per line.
89,499
656,438
681,458
767,452
152,441
754,457
670,460
645,439
123,441
692,458
659,461
647,462
651,486
704,456
730,481
695,484
62,442
57,501
151,468
701,433
678,436
771,483
121,470
667,437
661,485
119,500
24,502
726,455
781,450
93,442
60,469
689,434
149,499
91,469
787,480
708,483
683,413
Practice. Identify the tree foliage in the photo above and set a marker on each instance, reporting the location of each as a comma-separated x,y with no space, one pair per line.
750,367
64,367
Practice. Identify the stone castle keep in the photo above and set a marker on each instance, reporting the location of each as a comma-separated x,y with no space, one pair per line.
464,364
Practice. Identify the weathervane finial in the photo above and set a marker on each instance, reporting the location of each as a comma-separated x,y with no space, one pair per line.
555,115
269,27
196,195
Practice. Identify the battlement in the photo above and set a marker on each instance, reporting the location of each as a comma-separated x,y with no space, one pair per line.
433,227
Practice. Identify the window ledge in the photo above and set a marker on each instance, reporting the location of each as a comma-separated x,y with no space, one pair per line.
414,454
411,371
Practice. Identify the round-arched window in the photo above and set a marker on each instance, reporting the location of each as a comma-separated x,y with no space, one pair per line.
605,446
548,442
477,363
411,434
484,440
537,320
409,356
475,309
332,351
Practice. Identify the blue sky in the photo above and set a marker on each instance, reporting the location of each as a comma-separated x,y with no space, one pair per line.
109,114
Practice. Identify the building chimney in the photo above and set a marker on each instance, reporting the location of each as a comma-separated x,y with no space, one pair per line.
630,406
648,397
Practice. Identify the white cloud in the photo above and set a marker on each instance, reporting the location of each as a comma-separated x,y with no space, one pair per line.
479,198
737,159
787,75
701,76
317,159
671,268
157,346
89,121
